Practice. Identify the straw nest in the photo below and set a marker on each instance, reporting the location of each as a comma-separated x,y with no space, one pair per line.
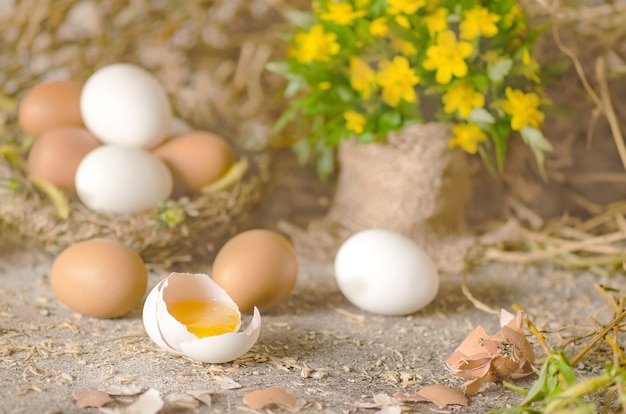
210,58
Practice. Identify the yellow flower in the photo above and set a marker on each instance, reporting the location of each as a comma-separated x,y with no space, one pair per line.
403,21
531,70
362,76
523,108
491,56
467,137
354,121
378,27
397,80
516,16
462,98
436,21
405,6
324,85
403,46
361,4
478,21
447,56
315,45
341,13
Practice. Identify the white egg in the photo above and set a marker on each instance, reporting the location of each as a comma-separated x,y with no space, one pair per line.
385,273
124,104
191,315
122,180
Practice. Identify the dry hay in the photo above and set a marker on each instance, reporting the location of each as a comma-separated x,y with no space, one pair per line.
210,58
576,216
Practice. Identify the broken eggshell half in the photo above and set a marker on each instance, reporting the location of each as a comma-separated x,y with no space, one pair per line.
191,315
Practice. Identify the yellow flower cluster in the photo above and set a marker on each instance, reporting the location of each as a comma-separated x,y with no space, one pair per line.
314,45
365,65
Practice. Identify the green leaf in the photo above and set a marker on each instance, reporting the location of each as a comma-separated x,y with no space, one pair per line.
389,121
515,388
367,138
538,144
281,68
565,369
295,84
499,133
287,116
300,18
345,94
484,155
481,116
538,390
302,149
498,71
480,82
325,163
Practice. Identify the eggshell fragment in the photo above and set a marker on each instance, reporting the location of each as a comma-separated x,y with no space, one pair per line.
484,358
196,159
175,337
260,399
50,105
438,394
257,268
54,157
92,398
99,278
385,273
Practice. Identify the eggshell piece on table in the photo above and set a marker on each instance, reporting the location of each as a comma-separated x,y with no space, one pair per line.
51,105
189,314
385,273
258,268
260,399
99,277
124,104
122,180
56,154
196,159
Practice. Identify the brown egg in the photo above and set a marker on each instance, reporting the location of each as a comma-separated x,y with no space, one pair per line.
55,155
256,268
195,159
99,277
50,105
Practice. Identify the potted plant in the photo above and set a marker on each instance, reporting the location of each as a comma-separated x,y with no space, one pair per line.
420,82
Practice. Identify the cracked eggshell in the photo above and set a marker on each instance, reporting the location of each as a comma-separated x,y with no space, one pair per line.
173,336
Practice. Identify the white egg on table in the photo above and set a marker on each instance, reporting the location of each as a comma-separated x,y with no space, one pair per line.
385,273
125,104
122,180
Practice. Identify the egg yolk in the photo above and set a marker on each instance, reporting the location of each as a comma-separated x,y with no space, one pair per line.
205,319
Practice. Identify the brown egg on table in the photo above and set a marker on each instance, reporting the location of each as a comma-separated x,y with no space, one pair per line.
99,277
256,268
196,159
56,154
50,105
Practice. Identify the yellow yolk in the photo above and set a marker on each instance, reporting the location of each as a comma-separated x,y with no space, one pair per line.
205,319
